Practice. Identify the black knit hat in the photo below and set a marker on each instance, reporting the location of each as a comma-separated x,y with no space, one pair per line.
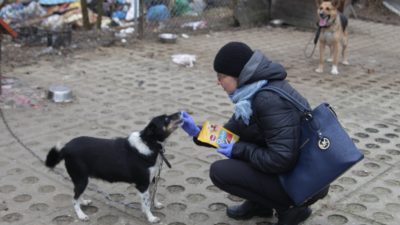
231,58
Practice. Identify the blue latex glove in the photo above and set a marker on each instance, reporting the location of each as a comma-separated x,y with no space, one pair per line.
189,126
225,149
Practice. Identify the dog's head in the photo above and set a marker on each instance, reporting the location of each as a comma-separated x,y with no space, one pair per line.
327,12
161,127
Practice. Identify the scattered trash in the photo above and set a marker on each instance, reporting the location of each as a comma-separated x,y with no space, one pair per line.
133,11
158,13
46,51
181,7
8,82
17,95
195,25
276,22
184,59
6,29
55,2
54,22
17,12
185,36
119,14
197,7
125,32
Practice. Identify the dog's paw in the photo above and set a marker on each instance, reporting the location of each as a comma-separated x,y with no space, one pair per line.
345,62
83,217
158,205
319,70
334,71
153,219
86,202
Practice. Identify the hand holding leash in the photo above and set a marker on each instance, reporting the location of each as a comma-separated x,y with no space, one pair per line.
225,149
189,126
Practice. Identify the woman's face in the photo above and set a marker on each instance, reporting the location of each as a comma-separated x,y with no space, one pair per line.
228,83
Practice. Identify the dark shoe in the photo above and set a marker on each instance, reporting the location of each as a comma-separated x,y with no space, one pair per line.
294,216
247,210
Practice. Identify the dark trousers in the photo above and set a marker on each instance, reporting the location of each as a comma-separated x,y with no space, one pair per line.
241,179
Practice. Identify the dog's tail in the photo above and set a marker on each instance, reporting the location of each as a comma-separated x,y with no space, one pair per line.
54,156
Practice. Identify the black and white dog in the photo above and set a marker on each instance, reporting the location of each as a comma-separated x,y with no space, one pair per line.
132,160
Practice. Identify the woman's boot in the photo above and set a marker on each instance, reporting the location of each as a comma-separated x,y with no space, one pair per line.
247,210
293,216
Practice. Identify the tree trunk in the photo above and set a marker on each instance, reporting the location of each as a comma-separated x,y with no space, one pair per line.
85,16
99,9
141,19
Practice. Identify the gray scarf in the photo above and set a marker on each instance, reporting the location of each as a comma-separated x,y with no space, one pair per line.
241,98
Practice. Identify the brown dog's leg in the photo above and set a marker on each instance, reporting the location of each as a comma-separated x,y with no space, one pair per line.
320,68
344,42
330,59
335,55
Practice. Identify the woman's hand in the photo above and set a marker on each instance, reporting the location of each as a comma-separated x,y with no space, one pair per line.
189,126
225,149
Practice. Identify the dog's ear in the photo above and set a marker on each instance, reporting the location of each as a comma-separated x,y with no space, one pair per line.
336,3
341,5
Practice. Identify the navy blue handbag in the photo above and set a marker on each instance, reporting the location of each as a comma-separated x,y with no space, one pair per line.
326,151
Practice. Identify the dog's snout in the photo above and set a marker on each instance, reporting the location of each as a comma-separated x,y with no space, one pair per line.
176,117
322,15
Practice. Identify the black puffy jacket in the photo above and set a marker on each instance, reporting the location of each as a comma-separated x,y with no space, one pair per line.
271,140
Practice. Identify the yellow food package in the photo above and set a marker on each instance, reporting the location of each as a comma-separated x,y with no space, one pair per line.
215,134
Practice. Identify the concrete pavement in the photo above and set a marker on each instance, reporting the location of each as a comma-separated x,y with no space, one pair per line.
117,91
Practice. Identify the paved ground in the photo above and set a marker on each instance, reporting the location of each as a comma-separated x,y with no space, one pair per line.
118,90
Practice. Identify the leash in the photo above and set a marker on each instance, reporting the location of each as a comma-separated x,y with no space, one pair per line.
153,190
17,138
157,178
164,158
162,151
316,37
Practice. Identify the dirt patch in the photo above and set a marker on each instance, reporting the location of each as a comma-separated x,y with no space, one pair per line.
375,11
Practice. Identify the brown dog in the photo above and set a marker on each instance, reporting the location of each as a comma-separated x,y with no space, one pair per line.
333,33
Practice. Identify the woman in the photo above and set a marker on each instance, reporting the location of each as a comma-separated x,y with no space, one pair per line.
269,130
